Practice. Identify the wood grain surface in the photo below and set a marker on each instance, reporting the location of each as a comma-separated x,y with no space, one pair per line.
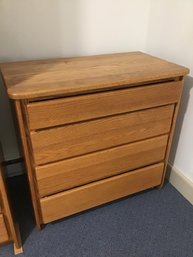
20,110
0,202
73,109
32,79
95,128
69,141
4,237
81,170
9,231
96,193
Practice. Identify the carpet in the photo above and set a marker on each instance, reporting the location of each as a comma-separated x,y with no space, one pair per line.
153,223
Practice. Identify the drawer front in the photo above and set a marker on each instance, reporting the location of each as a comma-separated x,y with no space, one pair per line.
73,109
73,140
4,237
96,193
74,172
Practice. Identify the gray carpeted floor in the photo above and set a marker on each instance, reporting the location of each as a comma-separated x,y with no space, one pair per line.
155,223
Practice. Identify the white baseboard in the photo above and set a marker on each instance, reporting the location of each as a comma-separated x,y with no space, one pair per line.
180,182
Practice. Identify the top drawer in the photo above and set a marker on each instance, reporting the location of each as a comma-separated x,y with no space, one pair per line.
51,113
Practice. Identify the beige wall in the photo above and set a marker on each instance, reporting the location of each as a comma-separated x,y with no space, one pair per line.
34,29
170,36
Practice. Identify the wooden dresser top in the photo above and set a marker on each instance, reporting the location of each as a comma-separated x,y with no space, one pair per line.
67,76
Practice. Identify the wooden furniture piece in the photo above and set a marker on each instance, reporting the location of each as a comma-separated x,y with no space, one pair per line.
9,231
93,129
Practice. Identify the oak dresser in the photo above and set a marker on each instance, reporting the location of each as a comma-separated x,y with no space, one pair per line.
94,128
9,230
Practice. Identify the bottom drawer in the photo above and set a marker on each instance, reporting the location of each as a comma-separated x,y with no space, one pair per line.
84,197
4,237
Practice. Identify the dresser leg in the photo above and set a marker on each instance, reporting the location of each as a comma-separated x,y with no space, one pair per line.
17,243
29,167
38,226
160,186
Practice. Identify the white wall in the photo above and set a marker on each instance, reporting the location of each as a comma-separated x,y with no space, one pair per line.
34,29
170,36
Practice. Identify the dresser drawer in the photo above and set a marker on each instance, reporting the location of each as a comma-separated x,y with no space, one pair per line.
73,109
8,231
4,237
73,140
74,172
96,193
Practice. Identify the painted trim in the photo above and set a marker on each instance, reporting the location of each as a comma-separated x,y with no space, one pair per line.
180,182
